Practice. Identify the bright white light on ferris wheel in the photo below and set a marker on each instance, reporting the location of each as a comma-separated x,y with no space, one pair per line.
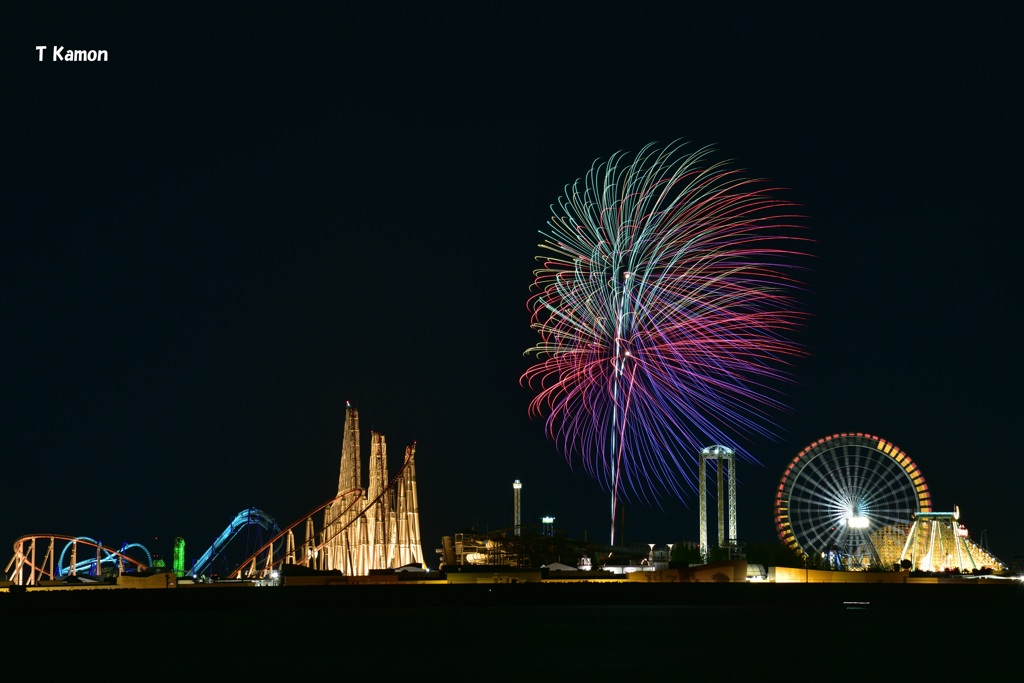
857,522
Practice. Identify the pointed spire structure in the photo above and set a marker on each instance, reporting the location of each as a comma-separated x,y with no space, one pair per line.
407,508
349,477
376,527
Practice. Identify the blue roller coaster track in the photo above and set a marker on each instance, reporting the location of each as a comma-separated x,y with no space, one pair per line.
243,521
90,565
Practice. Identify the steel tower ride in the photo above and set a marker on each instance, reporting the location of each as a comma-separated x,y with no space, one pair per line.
726,461
517,487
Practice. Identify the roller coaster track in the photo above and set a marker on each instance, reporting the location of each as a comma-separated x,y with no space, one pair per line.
25,569
36,558
243,520
92,565
281,550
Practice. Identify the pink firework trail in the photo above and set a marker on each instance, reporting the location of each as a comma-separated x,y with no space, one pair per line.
664,303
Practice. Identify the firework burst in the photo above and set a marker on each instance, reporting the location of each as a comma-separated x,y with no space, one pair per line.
664,306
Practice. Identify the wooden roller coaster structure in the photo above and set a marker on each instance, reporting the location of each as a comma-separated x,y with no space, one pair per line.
357,533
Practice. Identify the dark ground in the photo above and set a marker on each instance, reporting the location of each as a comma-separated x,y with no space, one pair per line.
532,631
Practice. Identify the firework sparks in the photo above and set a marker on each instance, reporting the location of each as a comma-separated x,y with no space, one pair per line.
664,304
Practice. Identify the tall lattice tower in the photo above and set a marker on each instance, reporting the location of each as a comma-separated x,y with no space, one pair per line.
517,487
377,527
726,461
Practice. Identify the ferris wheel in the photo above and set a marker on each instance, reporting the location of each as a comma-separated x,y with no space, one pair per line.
844,495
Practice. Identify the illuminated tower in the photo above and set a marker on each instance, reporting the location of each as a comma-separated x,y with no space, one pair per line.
373,528
548,526
178,560
407,510
350,476
726,460
379,517
517,487
345,527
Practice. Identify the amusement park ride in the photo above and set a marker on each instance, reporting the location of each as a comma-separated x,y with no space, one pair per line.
856,501
359,530
846,502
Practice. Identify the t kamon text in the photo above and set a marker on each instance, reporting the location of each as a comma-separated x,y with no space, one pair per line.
60,54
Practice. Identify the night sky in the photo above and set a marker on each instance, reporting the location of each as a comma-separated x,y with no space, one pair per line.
246,219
